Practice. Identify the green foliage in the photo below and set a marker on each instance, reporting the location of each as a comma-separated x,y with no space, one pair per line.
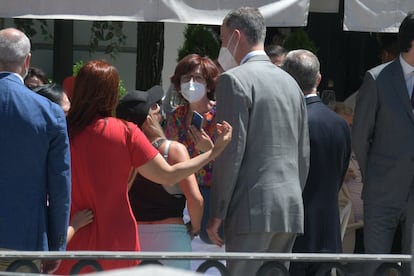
121,87
299,39
108,32
28,27
77,66
199,39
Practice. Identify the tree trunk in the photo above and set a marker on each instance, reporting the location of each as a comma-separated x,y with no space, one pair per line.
150,54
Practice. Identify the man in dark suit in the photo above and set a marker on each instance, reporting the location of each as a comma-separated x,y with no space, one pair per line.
258,179
34,159
330,150
383,134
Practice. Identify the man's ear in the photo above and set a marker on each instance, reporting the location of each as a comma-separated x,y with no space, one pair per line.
318,80
26,64
237,34
27,60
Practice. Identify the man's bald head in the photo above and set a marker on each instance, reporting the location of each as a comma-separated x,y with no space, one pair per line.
14,51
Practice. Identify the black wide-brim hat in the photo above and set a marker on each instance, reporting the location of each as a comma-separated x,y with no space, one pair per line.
134,106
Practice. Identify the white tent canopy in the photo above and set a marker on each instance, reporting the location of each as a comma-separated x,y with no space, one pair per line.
277,13
375,15
359,15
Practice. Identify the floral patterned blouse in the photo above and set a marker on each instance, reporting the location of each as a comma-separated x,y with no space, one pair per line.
176,130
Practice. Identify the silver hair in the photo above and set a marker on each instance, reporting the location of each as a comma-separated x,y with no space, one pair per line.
14,48
248,20
304,67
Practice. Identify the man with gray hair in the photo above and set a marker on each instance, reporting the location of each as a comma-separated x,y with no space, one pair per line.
258,180
330,150
34,159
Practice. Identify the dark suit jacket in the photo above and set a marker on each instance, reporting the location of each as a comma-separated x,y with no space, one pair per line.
34,169
383,134
330,150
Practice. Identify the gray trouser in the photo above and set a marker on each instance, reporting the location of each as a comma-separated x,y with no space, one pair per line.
259,243
380,223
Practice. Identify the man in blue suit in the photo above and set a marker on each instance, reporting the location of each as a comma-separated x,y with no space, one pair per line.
330,150
34,158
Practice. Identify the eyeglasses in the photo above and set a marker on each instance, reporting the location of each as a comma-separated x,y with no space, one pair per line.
195,77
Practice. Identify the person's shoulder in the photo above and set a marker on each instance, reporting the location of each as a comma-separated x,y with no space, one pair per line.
180,108
177,152
178,111
335,118
384,68
378,68
178,148
119,123
39,101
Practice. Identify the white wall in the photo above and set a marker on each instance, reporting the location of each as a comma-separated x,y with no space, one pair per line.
124,61
173,39
42,52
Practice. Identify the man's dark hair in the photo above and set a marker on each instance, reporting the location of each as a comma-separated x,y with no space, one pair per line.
274,50
406,32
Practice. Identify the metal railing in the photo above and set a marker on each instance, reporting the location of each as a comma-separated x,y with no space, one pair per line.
212,260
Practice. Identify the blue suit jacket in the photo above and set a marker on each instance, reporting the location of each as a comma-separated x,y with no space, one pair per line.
330,150
34,169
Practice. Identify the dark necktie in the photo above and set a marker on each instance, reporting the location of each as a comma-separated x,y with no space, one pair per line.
412,98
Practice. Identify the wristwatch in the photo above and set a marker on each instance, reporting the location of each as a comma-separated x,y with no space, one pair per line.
189,229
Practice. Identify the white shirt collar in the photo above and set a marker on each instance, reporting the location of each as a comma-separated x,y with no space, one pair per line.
311,95
251,54
407,68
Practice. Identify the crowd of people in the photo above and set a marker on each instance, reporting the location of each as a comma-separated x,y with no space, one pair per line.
265,173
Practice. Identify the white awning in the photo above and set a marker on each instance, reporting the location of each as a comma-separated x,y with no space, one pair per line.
281,13
359,15
375,15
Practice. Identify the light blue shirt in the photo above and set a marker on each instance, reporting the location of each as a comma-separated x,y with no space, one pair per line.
251,54
408,72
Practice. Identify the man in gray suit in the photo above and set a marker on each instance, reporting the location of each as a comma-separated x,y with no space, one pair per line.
383,135
258,180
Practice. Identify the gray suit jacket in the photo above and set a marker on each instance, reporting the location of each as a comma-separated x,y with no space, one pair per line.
258,179
383,136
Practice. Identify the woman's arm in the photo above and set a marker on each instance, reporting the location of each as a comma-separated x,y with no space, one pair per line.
195,203
159,171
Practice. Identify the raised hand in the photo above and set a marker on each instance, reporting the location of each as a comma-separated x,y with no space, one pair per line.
224,135
202,141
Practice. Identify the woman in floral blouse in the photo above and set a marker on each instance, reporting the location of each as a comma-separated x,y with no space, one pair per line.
195,80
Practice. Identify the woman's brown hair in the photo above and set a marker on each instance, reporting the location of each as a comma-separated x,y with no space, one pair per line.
95,94
191,62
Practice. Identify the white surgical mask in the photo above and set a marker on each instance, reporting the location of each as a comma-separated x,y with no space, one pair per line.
193,91
225,58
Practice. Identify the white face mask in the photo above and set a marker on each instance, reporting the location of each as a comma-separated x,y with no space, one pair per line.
225,58
193,91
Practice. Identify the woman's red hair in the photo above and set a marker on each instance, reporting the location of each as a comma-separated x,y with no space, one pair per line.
95,94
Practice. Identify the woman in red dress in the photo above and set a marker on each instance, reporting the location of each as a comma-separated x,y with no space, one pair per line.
104,150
